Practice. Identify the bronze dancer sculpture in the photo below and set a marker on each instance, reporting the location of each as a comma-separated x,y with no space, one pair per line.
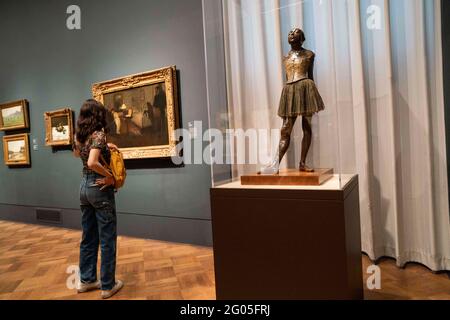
300,97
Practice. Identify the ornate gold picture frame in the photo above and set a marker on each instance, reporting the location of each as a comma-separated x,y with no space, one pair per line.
59,127
16,150
14,115
142,113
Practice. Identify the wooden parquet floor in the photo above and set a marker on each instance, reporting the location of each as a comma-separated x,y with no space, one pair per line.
34,262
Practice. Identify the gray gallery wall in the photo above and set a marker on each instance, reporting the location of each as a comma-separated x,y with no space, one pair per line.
52,67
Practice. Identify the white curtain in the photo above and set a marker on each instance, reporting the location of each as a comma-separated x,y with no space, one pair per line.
379,71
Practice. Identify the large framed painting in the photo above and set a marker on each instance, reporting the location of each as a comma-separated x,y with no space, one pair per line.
16,150
14,115
142,113
59,127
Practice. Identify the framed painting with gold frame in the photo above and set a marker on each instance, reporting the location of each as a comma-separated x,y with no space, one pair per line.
59,127
142,113
16,150
14,115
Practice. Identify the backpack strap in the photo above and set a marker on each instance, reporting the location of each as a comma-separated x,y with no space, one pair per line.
105,164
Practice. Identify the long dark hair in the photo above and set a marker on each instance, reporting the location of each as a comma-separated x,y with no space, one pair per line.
92,118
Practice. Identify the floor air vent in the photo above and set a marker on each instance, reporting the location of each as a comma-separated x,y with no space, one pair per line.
49,216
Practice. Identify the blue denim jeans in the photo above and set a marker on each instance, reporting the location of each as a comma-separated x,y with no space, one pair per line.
99,225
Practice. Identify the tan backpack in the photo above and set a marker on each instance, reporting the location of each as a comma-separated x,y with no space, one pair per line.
117,168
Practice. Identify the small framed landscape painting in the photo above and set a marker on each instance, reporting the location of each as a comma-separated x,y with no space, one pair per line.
16,150
14,115
59,127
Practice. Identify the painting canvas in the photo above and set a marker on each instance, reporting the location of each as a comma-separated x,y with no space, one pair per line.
137,117
59,127
16,150
14,115
142,113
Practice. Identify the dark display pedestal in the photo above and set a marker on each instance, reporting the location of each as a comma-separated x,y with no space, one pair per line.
287,243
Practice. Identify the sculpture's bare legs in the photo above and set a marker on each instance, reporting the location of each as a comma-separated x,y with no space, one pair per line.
285,141
306,143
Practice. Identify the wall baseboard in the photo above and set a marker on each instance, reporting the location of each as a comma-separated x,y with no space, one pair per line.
191,231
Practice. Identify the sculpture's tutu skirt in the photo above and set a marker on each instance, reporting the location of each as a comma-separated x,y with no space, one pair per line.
300,98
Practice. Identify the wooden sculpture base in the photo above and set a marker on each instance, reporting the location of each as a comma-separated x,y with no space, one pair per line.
289,177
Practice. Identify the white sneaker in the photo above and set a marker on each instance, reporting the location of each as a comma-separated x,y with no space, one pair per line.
85,287
106,294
